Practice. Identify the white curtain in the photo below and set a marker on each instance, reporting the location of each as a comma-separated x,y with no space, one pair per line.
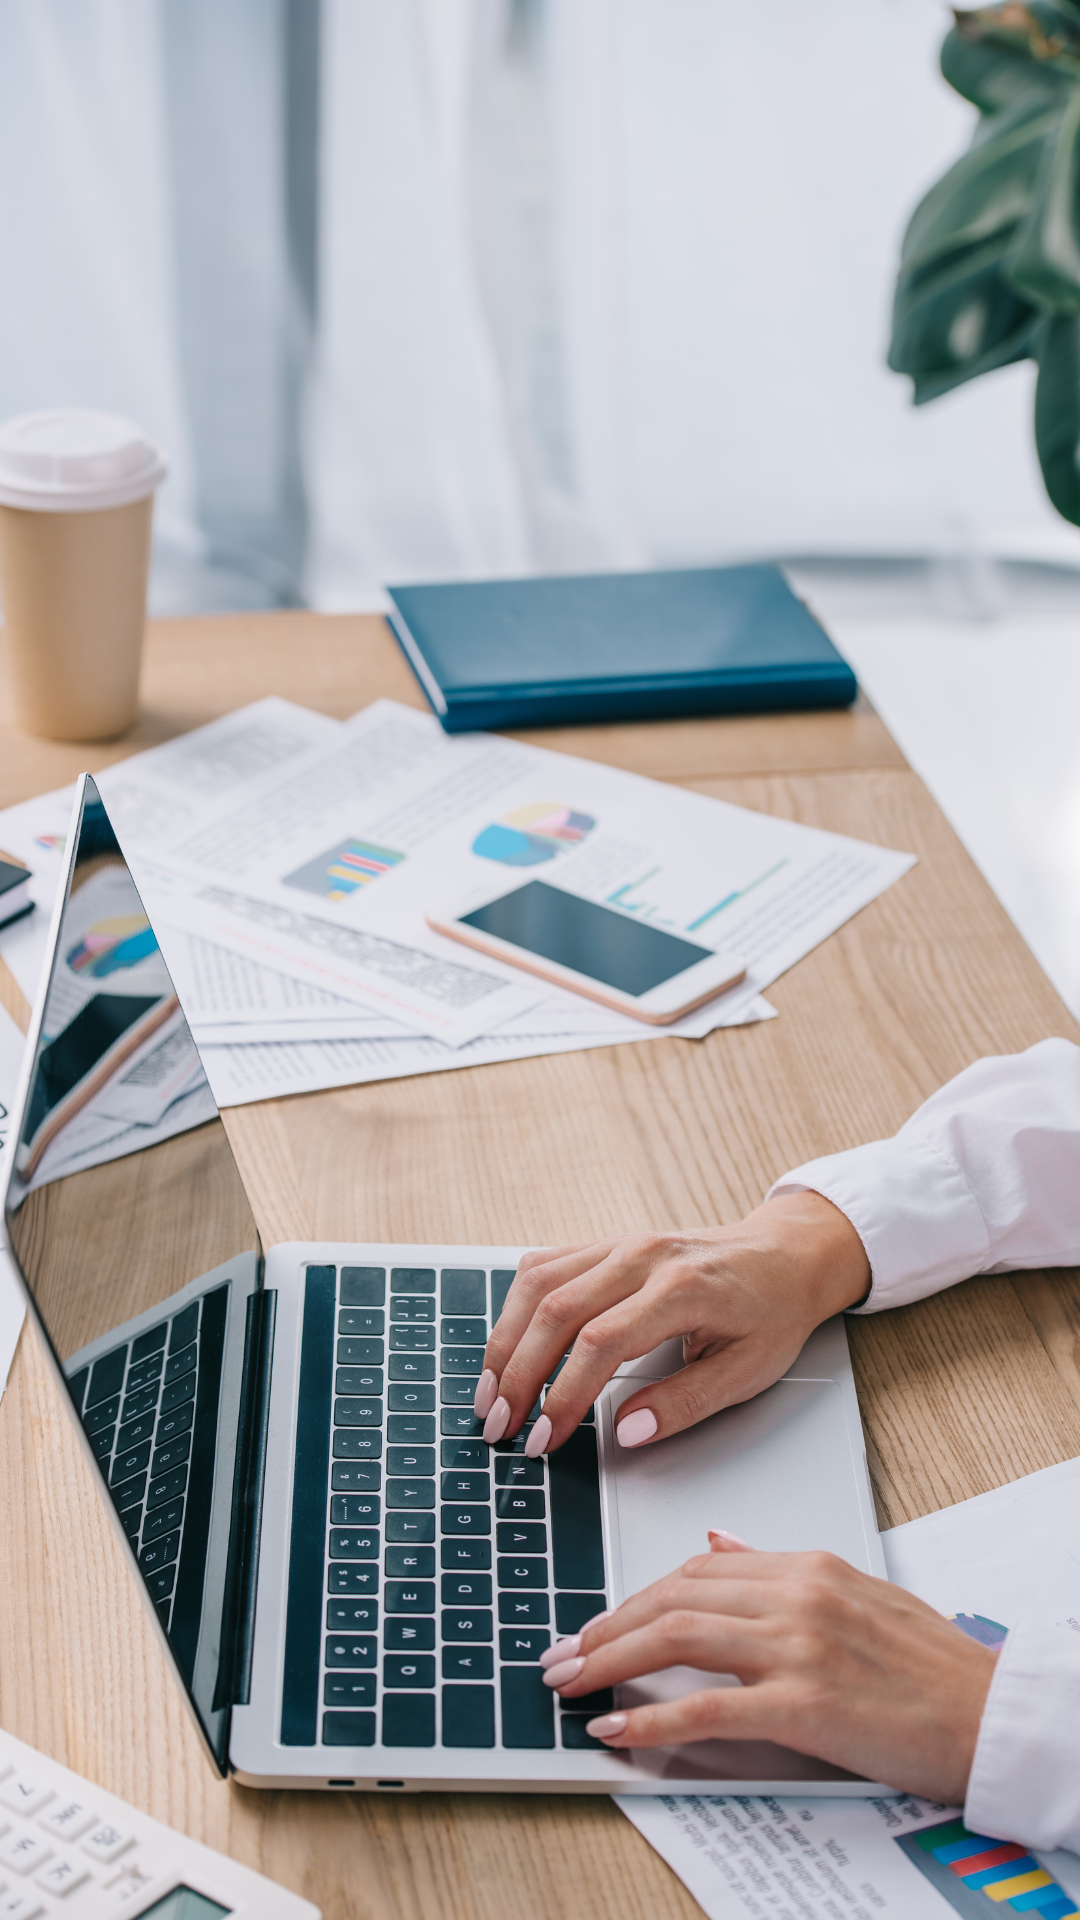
446,287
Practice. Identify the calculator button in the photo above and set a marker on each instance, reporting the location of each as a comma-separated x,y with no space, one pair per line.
20,1906
69,1821
62,1876
25,1794
23,1852
128,1885
107,1843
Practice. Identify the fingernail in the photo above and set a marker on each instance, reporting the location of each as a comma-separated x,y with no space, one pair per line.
486,1389
607,1726
635,1429
497,1422
566,1671
538,1438
562,1650
720,1541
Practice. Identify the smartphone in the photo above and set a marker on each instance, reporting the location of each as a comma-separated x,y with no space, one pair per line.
609,956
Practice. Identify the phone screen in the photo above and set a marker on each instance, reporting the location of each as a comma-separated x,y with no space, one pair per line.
630,955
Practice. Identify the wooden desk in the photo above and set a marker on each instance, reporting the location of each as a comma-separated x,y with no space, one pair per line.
959,1394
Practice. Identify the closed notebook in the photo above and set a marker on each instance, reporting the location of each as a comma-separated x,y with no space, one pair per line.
616,646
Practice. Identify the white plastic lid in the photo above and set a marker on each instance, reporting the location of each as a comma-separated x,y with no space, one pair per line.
72,460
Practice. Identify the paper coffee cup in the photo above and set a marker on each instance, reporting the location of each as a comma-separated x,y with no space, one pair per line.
76,501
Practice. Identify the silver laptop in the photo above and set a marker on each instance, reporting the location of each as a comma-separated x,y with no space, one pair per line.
353,1589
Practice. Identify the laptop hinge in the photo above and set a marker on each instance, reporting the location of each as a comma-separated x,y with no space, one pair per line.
238,1607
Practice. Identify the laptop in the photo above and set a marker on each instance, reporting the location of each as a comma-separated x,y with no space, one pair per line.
353,1590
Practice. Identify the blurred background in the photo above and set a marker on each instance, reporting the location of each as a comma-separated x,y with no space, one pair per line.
470,287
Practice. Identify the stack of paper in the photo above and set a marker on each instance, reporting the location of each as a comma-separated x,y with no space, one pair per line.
288,862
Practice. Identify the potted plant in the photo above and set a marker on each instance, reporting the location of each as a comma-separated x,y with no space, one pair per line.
990,266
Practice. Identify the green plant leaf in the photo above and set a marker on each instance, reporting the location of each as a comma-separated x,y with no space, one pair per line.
1057,412
966,324
997,71
986,193
1044,262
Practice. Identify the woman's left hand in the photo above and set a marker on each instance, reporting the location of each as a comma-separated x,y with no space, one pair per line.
838,1665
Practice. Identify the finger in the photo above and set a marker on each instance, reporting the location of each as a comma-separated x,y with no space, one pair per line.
683,1637
740,1370
720,1541
716,1713
537,1275
574,1317
742,1584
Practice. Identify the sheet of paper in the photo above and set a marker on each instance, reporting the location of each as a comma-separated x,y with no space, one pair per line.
370,836
795,1859
242,1074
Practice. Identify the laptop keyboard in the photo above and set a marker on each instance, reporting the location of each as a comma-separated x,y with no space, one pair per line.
149,1408
428,1572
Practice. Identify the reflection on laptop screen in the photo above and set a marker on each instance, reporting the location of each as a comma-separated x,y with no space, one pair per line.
126,1213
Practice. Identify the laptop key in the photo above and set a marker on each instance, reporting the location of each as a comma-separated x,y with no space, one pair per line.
160,1553
468,1360
345,1478
404,1635
468,1716
408,1720
463,1333
184,1328
170,1425
180,1362
472,1627
456,1393
103,1415
502,1279
354,1543
466,1519
524,1610
573,1726
574,1610
514,1471
363,1286
460,1553
172,1455
352,1320
137,1403
102,1442
152,1341
168,1487
360,1353
519,1503
348,1729
131,1522
521,1536
409,1563
464,1290
576,1535
349,1690
412,1339
468,1663
410,1460
356,1616
133,1461
410,1429
412,1312
411,1366
408,1494
600,1702
106,1376
466,1486
351,1650
466,1589
161,1584
177,1392
407,1528
408,1670
358,1413
350,1445
515,1572
141,1376
463,1421
349,1577
464,1454
355,1510
163,1520
129,1492
412,1280
401,1398
528,1709
523,1643
365,1381
409,1596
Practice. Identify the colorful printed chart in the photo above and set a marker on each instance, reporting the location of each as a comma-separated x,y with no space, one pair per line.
51,842
344,868
531,835
110,945
980,1876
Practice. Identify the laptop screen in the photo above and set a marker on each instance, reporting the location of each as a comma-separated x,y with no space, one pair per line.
129,1221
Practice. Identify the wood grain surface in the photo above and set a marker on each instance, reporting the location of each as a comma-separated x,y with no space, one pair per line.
959,1393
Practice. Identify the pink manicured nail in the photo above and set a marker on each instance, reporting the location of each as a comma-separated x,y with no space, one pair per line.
720,1541
538,1439
486,1389
562,1650
607,1726
635,1429
566,1671
497,1422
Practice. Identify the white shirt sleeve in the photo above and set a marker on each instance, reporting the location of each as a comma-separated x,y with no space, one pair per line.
984,1178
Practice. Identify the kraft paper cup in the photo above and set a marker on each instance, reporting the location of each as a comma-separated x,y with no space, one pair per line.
76,504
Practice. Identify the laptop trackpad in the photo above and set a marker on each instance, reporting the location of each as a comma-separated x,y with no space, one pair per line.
778,1471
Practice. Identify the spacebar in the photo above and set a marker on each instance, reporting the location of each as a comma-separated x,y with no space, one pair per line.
576,1530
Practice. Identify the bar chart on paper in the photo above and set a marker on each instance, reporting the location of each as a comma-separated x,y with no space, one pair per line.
635,897
978,1875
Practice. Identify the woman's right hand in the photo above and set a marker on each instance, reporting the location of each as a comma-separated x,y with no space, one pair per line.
744,1299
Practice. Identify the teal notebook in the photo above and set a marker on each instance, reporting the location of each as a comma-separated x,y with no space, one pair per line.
616,646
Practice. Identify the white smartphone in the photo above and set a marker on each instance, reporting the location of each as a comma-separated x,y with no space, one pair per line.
609,956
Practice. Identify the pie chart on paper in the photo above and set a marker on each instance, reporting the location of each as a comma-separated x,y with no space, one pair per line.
530,835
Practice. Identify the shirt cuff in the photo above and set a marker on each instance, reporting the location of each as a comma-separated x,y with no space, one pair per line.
911,1207
1025,1778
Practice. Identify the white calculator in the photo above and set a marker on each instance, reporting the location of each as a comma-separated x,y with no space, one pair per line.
66,1848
